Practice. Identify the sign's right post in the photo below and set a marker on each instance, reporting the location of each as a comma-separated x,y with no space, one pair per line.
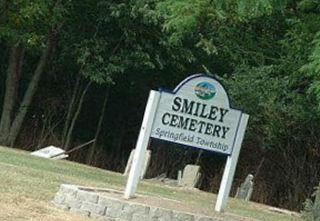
230,167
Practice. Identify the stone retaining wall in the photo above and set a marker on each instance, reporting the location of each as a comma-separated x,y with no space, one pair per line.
94,204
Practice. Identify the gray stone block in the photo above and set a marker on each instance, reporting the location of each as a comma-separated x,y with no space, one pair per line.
93,208
206,218
140,217
73,203
104,201
114,207
87,196
160,214
131,208
180,216
79,211
104,218
68,190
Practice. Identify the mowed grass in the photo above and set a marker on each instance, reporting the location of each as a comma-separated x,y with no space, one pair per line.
28,184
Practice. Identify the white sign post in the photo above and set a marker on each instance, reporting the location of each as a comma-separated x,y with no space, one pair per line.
230,167
196,113
142,144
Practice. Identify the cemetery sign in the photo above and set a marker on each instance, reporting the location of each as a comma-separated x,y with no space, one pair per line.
198,114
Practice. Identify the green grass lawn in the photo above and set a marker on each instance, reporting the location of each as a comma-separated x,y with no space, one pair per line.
29,183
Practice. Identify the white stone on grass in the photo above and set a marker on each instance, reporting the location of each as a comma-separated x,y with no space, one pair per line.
246,188
50,152
190,176
145,166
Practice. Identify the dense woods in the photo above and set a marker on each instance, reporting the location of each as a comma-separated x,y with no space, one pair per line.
72,71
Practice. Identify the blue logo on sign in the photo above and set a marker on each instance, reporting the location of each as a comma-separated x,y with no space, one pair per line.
205,90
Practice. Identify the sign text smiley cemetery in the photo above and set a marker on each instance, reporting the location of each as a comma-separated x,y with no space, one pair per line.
196,113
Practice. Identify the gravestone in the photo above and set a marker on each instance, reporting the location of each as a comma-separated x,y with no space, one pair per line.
311,210
50,152
129,162
316,204
179,177
145,164
191,175
245,190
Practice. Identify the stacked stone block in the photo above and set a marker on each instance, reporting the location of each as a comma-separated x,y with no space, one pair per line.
104,208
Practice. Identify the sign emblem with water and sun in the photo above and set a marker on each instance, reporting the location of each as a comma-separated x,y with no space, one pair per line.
205,90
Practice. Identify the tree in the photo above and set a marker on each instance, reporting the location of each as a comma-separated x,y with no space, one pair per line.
124,37
18,20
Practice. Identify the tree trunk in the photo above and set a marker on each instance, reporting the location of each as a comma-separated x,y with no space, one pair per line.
99,126
33,85
259,167
70,110
75,117
120,131
12,84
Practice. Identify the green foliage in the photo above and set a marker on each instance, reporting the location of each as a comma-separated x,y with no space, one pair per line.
313,67
92,61
309,6
257,8
28,22
187,18
119,38
183,17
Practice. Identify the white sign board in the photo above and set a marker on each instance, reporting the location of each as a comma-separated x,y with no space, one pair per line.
198,114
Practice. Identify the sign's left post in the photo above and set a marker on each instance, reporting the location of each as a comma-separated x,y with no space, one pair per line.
142,144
